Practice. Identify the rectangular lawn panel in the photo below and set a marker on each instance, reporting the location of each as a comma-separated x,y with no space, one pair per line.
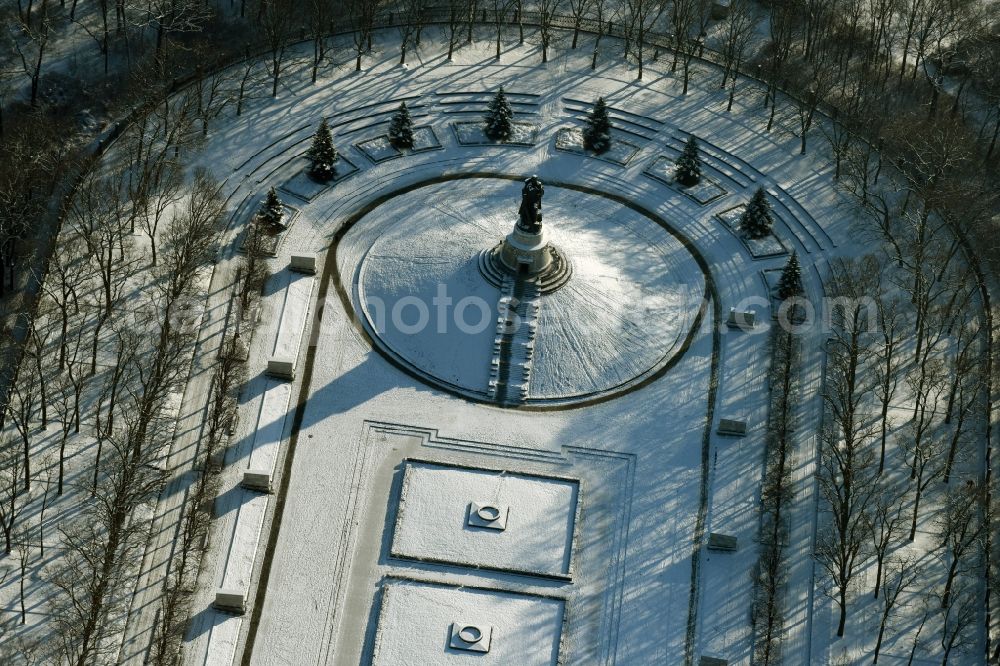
302,186
472,134
379,149
417,620
705,191
759,248
424,138
433,520
570,139
523,134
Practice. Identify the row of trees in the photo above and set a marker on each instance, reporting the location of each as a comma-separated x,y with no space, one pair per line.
907,331
106,348
884,351
777,494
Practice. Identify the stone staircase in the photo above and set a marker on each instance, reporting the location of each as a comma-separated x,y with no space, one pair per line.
514,345
551,279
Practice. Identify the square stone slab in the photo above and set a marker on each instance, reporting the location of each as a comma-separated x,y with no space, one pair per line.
471,637
488,515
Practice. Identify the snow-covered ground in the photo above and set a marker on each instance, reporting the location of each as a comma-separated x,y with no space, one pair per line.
534,519
629,307
637,457
654,477
516,629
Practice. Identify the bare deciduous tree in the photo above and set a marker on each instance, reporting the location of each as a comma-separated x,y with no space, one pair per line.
921,445
501,8
11,493
411,11
363,13
31,44
885,522
320,14
24,549
275,18
886,372
599,14
961,527
68,270
641,16
100,217
247,79
968,370
547,10
579,10
24,403
35,350
958,621
847,478
456,14
63,403
100,552
170,17
738,26
164,182
901,573
253,266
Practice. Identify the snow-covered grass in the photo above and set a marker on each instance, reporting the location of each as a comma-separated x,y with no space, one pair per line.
424,138
633,296
760,248
473,134
621,151
304,187
379,149
704,191
431,520
415,625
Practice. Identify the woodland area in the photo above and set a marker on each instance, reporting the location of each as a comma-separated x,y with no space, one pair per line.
911,80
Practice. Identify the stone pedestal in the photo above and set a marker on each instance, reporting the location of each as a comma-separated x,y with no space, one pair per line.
525,251
528,255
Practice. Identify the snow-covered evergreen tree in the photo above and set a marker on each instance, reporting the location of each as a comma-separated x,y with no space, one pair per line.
688,171
790,282
499,118
597,133
322,155
756,219
271,213
401,128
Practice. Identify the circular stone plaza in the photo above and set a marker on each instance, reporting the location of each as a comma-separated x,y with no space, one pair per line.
482,415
